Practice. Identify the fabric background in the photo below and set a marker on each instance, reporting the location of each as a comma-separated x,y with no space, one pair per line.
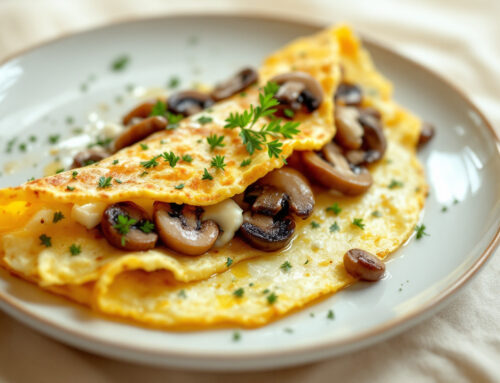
460,39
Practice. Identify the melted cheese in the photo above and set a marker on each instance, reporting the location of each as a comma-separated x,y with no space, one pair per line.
228,215
88,215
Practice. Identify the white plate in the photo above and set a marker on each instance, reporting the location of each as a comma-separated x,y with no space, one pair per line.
41,88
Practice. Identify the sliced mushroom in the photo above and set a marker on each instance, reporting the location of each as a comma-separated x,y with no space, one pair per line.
265,233
374,142
189,102
427,131
296,187
129,237
348,94
141,111
88,157
349,130
298,90
270,201
140,131
334,171
363,265
235,84
181,229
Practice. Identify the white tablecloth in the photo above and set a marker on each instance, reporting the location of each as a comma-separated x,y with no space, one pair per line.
458,38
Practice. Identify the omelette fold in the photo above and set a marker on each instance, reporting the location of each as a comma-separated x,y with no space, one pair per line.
237,283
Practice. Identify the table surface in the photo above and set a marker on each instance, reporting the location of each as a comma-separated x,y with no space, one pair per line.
457,38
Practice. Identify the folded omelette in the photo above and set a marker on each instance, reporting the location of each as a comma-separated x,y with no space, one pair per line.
241,211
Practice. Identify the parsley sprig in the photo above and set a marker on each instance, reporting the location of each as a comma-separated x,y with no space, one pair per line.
214,141
258,139
123,225
218,162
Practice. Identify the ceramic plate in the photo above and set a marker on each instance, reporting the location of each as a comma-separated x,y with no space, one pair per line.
55,89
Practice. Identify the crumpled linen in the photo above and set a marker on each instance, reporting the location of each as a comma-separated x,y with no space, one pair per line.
460,39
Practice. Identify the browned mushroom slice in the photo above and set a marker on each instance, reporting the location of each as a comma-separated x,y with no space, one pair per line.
298,90
141,111
235,84
189,102
349,129
363,265
348,94
88,157
140,131
265,233
126,226
180,228
335,173
296,186
374,142
427,131
270,201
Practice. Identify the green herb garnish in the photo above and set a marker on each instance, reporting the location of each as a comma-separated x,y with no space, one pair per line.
204,120
335,227
218,162
54,139
245,162
104,182
147,227
335,208
420,229
173,82
239,292
187,158
236,336
229,262
150,163
330,314
123,225
286,266
206,175
179,187
144,146
120,63
46,241
272,298
74,174
58,215
214,141
359,223
395,184
314,224
171,158
376,213
75,249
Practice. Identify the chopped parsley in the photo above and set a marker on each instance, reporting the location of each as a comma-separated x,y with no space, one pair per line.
147,227
289,113
69,120
179,187
314,224
182,294
257,139
171,158
331,314
288,330
246,162
105,143
32,138
123,225
218,162
207,175
455,201
286,266
45,241
104,182
376,214
173,120
335,227
239,292
204,120
159,109
150,163
236,336
272,298
395,184
335,208
420,229
58,215
444,209
120,63
214,141
187,158
74,174
229,262
359,223
70,188
22,147
144,146
54,139
115,162
118,181
75,249
59,170
173,82
144,173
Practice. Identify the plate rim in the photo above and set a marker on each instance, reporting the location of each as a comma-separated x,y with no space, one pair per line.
361,339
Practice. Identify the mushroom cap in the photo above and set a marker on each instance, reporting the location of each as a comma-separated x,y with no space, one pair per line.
140,131
140,111
299,89
189,102
335,172
348,94
88,157
363,265
135,239
180,228
427,132
349,129
239,82
265,233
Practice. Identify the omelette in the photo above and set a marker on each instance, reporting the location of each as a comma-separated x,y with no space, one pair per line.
234,206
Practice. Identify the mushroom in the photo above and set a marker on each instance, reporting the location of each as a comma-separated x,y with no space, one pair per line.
374,142
181,229
140,131
348,94
427,131
235,84
140,111
333,171
349,130
131,236
265,233
295,186
270,201
363,265
298,90
189,102
88,157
